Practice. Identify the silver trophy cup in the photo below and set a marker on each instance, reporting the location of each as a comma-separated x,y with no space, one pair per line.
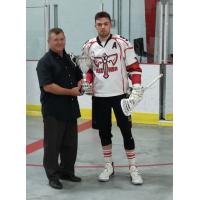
85,63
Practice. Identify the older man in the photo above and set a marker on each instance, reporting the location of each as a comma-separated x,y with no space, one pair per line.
60,82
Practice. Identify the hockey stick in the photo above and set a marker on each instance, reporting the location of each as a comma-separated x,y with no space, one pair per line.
127,104
152,82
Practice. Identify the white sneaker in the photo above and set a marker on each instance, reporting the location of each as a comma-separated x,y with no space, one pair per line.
107,172
136,178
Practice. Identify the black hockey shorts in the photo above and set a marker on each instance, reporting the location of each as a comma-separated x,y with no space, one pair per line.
101,120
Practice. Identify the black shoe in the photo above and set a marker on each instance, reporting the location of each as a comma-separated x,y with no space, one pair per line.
72,178
55,183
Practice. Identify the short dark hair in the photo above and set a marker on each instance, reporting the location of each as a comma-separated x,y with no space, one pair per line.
55,30
102,14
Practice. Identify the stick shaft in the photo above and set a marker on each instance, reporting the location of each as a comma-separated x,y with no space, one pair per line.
152,82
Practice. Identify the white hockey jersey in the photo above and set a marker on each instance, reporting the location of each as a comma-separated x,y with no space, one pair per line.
113,62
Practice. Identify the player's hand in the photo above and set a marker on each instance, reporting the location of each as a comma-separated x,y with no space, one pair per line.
137,89
137,93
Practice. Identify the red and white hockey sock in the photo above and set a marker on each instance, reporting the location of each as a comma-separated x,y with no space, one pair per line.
107,153
131,157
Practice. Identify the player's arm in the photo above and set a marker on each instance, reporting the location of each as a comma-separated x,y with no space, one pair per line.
89,76
135,72
89,73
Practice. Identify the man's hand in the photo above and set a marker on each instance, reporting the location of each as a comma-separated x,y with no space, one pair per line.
75,91
137,93
80,83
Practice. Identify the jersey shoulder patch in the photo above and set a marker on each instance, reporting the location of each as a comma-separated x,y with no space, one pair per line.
123,41
123,38
120,37
89,42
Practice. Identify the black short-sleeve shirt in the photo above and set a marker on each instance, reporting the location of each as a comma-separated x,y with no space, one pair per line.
62,71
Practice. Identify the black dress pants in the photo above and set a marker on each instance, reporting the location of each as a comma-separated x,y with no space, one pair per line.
60,140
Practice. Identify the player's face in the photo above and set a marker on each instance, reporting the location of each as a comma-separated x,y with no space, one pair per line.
103,26
57,42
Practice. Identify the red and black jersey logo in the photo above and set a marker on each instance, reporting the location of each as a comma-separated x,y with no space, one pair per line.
106,60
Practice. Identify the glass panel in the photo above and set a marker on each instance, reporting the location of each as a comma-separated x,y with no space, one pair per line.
170,33
147,29
76,18
138,29
35,33
140,23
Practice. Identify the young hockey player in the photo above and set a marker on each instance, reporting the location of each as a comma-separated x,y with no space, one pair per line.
114,61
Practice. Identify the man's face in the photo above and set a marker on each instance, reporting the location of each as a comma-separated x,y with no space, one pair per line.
103,26
57,42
